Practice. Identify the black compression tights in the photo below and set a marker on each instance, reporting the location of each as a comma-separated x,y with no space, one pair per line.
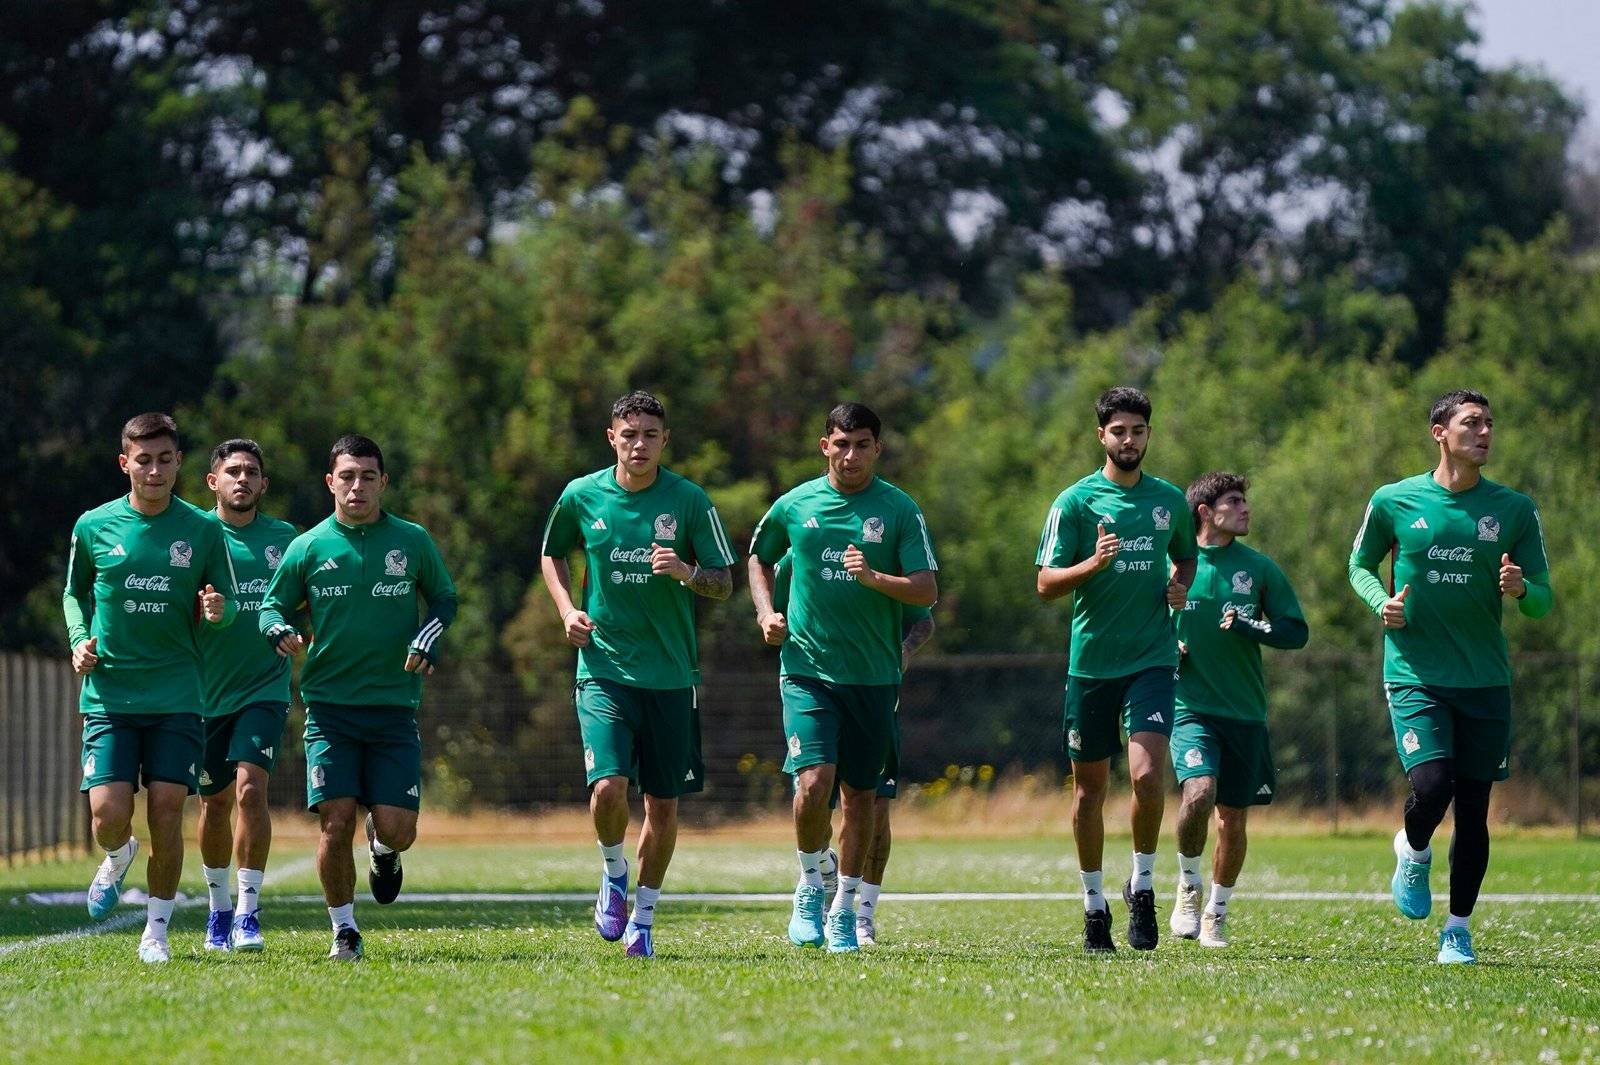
1433,786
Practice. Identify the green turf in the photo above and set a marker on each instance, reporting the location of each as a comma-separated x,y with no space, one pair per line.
972,981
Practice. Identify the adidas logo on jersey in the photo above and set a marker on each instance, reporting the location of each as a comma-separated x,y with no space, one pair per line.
811,523
328,565
1420,523
118,552
599,523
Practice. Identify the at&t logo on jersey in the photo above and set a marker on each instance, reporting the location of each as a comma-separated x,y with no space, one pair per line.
1136,545
1489,528
394,564
666,527
180,554
1242,583
872,530
1162,517
273,556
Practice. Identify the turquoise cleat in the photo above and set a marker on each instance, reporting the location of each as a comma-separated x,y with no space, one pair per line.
1410,882
805,925
842,932
105,891
1455,947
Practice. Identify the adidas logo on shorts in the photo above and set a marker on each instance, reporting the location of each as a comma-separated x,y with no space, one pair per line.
1264,790
413,792
1157,718
689,775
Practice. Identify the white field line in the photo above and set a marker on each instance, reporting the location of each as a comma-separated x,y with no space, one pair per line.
920,896
136,916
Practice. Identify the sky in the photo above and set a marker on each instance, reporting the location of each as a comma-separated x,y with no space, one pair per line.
1560,36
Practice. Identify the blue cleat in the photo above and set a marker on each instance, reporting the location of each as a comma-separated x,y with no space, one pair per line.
219,929
638,941
105,890
247,932
611,907
805,924
1455,947
842,932
1409,885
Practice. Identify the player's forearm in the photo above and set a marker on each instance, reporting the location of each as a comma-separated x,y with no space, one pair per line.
918,589
1539,598
77,612
918,634
761,580
1368,585
1057,581
714,583
1183,572
558,583
1286,634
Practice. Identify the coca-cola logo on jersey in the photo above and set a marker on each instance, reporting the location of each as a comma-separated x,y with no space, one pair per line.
255,587
832,554
160,583
637,554
1450,554
396,590
1140,543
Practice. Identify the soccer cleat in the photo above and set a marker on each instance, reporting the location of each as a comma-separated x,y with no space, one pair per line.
346,945
384,874
154,951
1455,947
218,926
866,931
1409,885
1142,931
842,932
638,941
1185,920
1214,929
105,890
805,923
1097,932
246,932
830,881
611,907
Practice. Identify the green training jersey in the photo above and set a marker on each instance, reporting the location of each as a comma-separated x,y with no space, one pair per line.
1121,623
133,583
839,631
783,570
1447,547
365,586
1221,674
643,623
238,667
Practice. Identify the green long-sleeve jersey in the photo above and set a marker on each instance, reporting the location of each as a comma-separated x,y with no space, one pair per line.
365,587
133,583
237,666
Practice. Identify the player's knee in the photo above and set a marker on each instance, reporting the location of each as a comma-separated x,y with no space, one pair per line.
1433,785
398,836
610,792
338,820
1148,783
252,795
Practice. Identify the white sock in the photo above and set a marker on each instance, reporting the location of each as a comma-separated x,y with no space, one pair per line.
250,890
830,862
1454,922
1189,869
869,899
616,864
644,905
1219,899
157,916
1144,870
121,857
343,916
849,887
1425,855
217,887
811,867
1094,896
379,848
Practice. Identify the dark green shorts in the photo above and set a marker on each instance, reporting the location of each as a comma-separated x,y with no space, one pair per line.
249,734
1237,753
851,726
1469,726
372,754
141,749
649,735
888,784
1096,709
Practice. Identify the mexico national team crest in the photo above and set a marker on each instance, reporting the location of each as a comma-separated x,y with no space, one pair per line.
273,555
180,554
872,530
1074,739
666,527
1162,517
394,563
1192,758
1489,528
1410,742
1242,583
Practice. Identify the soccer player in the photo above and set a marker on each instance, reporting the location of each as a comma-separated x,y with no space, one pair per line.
1461,544
861,552
1239,602
1108,539
144,571
651,542
246,690
367,576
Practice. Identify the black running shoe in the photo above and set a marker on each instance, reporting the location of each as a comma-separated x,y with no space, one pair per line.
1097,932
346,945
1142,932
384,874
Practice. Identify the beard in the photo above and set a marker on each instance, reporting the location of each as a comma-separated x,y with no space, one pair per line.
1122,462
241,508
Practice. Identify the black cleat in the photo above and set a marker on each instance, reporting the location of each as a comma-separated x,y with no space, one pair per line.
1097,932
346,945
384,874
1142,931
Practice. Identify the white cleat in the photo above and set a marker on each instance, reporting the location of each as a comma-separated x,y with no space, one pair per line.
154,951
1214,929
1185,920
866,931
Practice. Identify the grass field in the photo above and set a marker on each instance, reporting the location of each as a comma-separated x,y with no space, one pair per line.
470,979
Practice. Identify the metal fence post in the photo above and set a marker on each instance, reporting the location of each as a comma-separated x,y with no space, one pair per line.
1576,743
1333,755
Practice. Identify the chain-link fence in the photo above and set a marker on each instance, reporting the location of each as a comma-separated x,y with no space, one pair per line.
40,807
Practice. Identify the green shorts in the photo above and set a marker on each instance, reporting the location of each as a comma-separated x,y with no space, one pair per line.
851,726
141,749
1469,726
1237,753
1095,708
888,784
372,754
249,734
649,735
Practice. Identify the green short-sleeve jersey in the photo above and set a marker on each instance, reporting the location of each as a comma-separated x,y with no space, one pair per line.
838,630
1221,675
783,570
1447,546
133,583
1120,620
644,632
365,587
238,667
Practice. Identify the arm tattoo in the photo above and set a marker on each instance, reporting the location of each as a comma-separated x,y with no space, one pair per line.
715,583
917,635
